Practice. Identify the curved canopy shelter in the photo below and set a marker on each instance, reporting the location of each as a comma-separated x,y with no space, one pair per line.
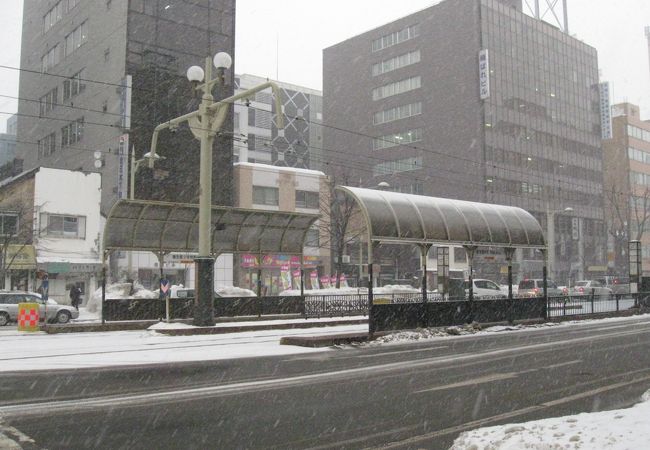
403,218
162,227
396,218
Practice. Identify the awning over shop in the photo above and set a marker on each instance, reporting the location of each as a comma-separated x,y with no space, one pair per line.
21,257
59,264
402,218
173,227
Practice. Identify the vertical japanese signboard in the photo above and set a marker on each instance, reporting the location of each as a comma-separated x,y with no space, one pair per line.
122,158
605,112
484,73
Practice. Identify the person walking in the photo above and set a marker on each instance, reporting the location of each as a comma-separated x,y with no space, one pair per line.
75,296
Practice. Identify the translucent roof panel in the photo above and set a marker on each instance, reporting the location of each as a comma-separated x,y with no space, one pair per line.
172,227
403,218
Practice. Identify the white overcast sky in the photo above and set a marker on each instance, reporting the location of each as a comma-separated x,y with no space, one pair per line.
300,29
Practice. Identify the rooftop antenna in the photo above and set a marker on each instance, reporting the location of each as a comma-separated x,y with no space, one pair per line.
550,11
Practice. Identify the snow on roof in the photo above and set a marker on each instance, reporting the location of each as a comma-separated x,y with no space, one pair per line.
269,167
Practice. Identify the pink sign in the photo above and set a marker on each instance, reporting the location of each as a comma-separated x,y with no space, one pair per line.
313,278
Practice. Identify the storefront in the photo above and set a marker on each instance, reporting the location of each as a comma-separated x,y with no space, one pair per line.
278,272
63,273
20,263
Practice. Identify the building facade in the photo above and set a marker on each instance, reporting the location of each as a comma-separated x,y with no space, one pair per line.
627,186
476,100
300,143
57,230
262,186
97,77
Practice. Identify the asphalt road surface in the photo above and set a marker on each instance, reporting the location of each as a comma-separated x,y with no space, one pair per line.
416,395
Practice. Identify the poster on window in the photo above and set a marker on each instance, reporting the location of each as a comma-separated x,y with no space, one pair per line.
285,277
295,275
344,281
313,279
325,282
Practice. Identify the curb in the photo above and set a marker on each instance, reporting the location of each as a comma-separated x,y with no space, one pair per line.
242,328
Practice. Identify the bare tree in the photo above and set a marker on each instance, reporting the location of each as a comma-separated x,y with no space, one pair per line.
628,215
15,234
340,223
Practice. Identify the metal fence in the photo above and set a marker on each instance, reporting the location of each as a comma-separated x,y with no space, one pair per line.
357,304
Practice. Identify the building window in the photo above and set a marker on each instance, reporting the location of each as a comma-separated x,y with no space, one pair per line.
76,39
58,225
307,199
638,133
400,165
8,223
72,133
395,38
267,196
395,63
74,85
73,3
51,58
397,113
393,140
396,88
48,101
53,16
312,238
47,146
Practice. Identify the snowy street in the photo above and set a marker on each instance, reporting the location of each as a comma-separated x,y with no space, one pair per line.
286,397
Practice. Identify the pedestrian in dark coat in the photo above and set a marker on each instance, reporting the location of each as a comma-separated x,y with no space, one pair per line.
75,296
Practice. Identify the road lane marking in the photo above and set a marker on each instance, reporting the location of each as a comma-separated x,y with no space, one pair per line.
29,409
473,381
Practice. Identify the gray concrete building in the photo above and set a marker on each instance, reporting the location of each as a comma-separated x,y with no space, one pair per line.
475,100
98,76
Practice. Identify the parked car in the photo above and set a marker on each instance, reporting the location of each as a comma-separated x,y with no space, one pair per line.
589,287
534,287
618,285
48,310
485,288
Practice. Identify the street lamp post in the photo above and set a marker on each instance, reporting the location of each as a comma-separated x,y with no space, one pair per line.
135,165
205,124
550,237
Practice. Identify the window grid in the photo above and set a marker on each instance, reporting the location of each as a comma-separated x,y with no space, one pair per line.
399,87
400,165
267,196
393,140
47,145
395,63
76,39
395,38
397,113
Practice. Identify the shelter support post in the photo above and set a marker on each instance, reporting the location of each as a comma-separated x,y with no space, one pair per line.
544,278
509,251
259,276
371,322
103,288
424,251
470,249
161,263
302,283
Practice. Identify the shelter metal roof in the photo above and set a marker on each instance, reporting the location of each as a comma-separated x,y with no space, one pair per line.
404,218
173,227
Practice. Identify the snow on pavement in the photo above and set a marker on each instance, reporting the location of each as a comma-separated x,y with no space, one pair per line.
621,429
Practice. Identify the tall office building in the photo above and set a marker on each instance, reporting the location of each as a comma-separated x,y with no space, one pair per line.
98,76
476,100
627,185
300,143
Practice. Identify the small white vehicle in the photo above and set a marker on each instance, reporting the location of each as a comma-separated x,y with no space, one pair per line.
591,287
50,310
485,289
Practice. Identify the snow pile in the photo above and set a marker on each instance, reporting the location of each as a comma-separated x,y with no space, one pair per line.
170,326
327,291
396,289
118,291
233,291
620,429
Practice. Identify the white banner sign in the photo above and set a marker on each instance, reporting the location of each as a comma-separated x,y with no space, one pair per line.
484,73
